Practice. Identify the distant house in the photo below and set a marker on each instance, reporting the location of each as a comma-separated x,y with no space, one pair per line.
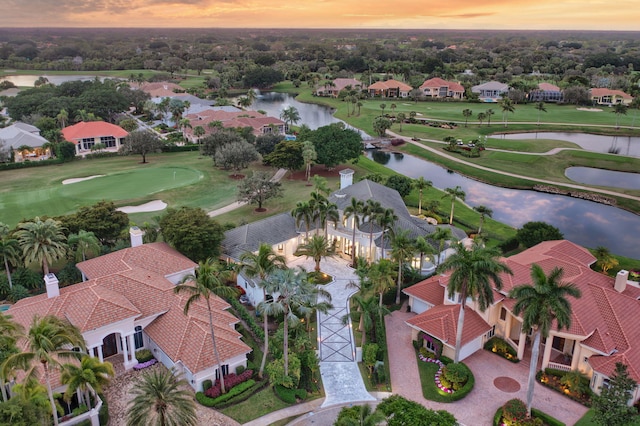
86,134
212,119
603,96
390,89
603,328
161,89
439,88
128,303
22,135
339,85
491,91
546,92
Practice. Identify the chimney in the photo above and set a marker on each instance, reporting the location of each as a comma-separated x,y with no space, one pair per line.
621,281
51,282
136,235
346,178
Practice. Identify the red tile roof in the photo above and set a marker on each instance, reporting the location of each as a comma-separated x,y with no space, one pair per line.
548,87
390,84
92,129
602,91
442,322
438,82
231,120
430,290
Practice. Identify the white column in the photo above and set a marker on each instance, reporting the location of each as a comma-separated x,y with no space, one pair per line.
576,355
547,352
100,355
521,344
132,347
124,349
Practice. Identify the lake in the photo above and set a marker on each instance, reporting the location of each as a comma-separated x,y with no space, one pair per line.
600,177
29,80
623,145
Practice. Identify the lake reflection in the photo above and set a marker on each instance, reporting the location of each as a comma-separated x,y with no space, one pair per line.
600,177
583,222
29,80
623,145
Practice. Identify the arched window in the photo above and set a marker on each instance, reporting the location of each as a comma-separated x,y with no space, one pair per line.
137,337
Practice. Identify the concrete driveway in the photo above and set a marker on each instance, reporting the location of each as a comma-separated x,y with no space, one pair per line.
480,405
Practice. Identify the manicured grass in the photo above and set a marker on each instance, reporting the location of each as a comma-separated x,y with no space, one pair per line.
586,420
430,391
263,402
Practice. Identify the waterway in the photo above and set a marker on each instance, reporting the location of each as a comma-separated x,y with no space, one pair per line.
623,145
599,177
29,80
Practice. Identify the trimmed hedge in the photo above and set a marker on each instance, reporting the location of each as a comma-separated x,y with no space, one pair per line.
248,318
258,386
105,154
535,413
289,395
181,148
235,391
27,164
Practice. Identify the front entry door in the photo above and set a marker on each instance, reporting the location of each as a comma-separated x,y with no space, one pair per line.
109,345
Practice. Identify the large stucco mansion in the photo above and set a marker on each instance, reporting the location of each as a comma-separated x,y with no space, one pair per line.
603,329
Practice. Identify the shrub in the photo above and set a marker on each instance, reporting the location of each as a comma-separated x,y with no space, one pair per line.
514,412
206,384
501,347
235,391
454,376
426,353
381,374
417,344
142,365
144,355
248,317
240,369
230,381
397,142
289,395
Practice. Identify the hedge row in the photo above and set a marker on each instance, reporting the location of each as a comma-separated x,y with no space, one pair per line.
248,318
259,385
535,413
27,164
230,381
289,395
180,148
235,391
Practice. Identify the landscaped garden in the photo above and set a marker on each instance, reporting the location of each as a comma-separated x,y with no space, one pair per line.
500,347
442,379
514,413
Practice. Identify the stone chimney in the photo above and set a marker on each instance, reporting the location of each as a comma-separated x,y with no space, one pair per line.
621,281
51,282
136,235
346,178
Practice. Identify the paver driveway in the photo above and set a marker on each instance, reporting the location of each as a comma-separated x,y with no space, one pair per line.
480,405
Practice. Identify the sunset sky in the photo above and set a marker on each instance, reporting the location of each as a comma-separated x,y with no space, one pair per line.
472,14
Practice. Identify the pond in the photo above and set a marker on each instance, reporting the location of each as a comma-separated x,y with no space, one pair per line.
314,116
614,179
29,80
623,145
583,222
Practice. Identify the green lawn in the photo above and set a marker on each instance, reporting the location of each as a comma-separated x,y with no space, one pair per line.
430,391
586,420
258,405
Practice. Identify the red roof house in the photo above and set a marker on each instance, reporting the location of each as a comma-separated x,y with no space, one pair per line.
439,88
86,134
390,89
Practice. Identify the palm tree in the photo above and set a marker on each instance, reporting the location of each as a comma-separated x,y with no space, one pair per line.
354,210
9,249
466,113
160,398
10,331
541,108
260,265
208,280
484,211
85,243
381,277
303,213
423,247
393,108
481,117
316,248
297,296
441,235
386,220
372,209
359,105
63,118
606,260
366,417
42,242
48,341
368,309
402,250
251,95
244,102
309,155
290,116
507,106
421,184
473,272
401,117
489,113
454,194
540,304
382,107
618,110
90,373
198,132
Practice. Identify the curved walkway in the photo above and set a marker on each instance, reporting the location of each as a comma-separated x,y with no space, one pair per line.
488,169
480,405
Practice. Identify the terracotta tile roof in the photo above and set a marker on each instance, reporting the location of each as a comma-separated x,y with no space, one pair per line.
390,84
341,83
92,129
548,87
442,322
231,120
162,89
602,91
438,82
430,290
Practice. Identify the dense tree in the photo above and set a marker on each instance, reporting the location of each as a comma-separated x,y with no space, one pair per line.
208,280
258,188
286,155
142,142
192,232
611,407
475,272
533,233
103,219
265,144
359,415
381,125
402,412
20,412
261,77
542,304
42,242
236,155
400,183
335,145
159,398
213,142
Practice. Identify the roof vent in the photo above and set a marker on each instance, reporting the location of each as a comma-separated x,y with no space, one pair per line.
621,281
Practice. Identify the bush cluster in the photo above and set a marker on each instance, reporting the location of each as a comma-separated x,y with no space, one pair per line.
500,347
235,391
289,395
144,355
230,381
177,148
104,154
27,164
454,376
247,317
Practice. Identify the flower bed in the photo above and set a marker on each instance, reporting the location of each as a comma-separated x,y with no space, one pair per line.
446,388
500,347
230,380
553,379
144,364
438,373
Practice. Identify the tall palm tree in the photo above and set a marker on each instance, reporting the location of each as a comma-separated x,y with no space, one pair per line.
441,235
402,250
208,280
316,248
85,243
290,115
466,113
42,242
260,265
297,296
9,250
354,210
368,309
423,247
303,213
618,110
372,210
90,373
541,108
160,399
309,155
481,117
48,341
473,273
251,95
507,106
484,211
382,107
386,220
63,118
400,118
421,184
454,194
380,278
10,331
317,203
540,304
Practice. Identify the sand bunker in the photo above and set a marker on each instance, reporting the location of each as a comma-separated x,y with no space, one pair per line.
589,109
151,206
76,180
